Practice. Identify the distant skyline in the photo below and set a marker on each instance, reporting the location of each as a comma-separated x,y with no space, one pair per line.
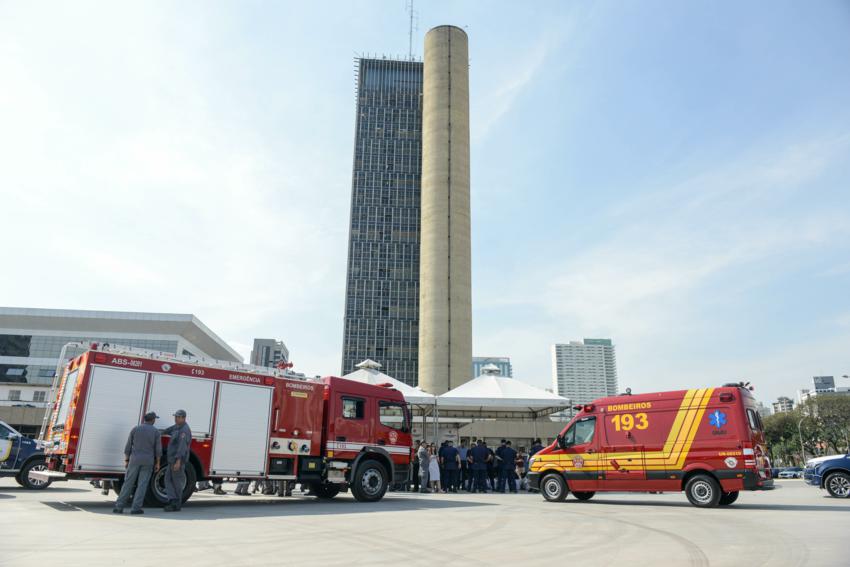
673,176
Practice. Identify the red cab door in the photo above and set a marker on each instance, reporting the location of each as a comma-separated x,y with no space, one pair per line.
580,454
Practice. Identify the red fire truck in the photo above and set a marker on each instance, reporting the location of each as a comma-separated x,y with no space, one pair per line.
328,434
708,442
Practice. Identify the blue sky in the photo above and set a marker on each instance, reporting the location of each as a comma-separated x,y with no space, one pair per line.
675,176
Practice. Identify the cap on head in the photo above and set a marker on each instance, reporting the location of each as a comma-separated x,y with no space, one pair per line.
151,416
180,413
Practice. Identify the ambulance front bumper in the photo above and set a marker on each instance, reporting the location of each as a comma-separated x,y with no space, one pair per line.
533,480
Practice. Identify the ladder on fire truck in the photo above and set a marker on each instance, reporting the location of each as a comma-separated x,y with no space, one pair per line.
282,371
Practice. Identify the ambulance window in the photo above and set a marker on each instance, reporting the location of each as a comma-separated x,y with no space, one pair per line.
392,415
753,418
352,408
581,432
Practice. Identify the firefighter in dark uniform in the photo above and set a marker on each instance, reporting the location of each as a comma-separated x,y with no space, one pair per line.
478,458
507,465
177,457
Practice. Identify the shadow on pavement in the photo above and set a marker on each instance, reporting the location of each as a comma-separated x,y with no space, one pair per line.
736,506
214,509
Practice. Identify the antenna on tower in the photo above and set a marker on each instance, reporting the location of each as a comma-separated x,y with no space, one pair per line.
414,26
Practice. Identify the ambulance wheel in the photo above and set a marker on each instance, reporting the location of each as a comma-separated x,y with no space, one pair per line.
838,485
703,491
728,498
583,496
29,482
157,495
369,483
324,491
554,488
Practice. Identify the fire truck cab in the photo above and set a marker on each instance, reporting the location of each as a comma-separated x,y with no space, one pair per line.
247,423
706,442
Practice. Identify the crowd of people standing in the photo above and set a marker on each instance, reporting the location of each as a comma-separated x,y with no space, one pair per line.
474,468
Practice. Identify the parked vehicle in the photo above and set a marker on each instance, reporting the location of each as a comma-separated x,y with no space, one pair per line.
708,443
831,473
247,423
20,456
791,472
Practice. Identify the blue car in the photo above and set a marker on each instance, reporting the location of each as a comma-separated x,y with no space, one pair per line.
19,456
831,473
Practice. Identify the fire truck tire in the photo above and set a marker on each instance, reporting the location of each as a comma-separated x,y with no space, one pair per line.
370,482
554,488
728,498
583,496
703,491
838,485
156,495
324,491
30,483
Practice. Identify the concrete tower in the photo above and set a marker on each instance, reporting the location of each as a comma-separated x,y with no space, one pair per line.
445,279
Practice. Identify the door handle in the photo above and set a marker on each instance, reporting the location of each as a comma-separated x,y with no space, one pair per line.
590,451
381,442
340,438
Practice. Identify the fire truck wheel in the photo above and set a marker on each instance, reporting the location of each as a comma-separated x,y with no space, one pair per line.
324,491
838,485
157,496
554,488
583,496
703,491
29,482
727,498
370,482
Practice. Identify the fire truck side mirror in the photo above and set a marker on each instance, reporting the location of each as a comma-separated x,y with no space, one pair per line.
561,443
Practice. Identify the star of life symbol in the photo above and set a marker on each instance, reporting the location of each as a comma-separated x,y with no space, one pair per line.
578,462
717,419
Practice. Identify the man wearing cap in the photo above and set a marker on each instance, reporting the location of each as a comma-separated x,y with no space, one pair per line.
176,457
142,453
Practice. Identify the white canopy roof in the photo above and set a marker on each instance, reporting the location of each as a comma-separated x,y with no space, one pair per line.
369,373
493,392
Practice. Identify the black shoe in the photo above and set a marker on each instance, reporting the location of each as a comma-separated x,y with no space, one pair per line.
170,508
118,510
136,512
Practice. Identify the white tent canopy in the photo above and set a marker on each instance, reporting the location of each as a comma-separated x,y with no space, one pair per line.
491,392
369,372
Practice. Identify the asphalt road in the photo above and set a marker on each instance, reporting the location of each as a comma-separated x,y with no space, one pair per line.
71,524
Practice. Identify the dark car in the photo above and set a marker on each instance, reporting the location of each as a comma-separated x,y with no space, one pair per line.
19,456
831,473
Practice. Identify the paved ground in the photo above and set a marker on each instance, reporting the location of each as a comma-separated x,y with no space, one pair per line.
72,524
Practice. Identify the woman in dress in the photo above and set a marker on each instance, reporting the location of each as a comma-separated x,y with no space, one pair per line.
434,470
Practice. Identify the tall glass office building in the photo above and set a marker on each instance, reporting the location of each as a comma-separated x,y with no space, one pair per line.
382,290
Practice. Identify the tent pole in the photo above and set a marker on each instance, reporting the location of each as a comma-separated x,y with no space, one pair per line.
436,422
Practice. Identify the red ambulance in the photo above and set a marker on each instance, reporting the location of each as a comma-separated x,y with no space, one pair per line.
707,442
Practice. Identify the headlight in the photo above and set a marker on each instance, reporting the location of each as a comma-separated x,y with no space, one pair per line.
531,462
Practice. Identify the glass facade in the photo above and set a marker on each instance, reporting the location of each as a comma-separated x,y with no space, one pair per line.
382,287
50,347
504,363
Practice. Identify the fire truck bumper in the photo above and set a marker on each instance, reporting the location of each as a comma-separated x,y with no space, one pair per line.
48,475
533,480
750,479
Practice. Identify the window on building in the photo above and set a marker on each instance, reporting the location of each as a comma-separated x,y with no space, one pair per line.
353,408
39,396
15,395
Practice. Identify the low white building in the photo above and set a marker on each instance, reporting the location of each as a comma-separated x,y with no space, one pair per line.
31,341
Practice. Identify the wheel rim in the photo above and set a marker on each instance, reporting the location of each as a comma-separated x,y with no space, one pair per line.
702,491
371,481
37,482
840,486
552,488
158,486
